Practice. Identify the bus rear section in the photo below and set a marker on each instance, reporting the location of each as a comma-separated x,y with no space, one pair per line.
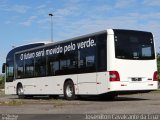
132,68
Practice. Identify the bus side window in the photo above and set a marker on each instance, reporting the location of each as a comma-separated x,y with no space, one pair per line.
53,65
102,53
68,63
29,68
19,67
3,67
86,60
9,72
90,61
40,67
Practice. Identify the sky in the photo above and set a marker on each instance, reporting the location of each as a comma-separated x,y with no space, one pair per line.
27,21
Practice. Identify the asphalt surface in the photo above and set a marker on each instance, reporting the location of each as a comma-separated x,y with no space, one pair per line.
50,109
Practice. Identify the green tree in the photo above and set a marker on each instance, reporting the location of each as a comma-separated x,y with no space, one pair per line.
158,64
2,81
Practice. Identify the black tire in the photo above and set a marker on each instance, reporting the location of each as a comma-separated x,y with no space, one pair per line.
20,91
69,90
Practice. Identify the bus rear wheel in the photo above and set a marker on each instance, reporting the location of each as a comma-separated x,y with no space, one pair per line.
69,90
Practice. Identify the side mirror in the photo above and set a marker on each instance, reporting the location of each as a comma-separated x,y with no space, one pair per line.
3,67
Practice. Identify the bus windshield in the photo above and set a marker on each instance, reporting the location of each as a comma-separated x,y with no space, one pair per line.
134,45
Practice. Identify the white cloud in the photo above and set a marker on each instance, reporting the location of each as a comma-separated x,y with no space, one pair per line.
42,10
129,21
41,6
124,3
85,26
43,21
67,11
152,2
29,21
61,15
8,22
17,8
150,16
103,8
35,40
12,20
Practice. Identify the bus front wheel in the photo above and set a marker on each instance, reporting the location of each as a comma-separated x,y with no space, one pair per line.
69,90
20,91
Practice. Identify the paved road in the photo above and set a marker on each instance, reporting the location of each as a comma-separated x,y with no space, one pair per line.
148,103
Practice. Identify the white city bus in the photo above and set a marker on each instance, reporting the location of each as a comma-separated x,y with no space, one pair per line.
109,62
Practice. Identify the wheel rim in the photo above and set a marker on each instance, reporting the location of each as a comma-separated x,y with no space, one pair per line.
69,90
20,91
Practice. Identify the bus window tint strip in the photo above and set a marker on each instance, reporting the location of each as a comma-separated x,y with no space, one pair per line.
86,60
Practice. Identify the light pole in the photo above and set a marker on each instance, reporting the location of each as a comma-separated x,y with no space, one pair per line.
50,14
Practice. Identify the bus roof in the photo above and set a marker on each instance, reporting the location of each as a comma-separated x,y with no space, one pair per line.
10,55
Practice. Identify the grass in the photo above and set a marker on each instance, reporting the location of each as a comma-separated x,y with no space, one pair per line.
2,79
54,102
156,91
1,93
16,102
12,102
8,102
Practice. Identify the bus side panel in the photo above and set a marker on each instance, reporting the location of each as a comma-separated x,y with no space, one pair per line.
87,84
102,82
10,88
54,85
44,85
